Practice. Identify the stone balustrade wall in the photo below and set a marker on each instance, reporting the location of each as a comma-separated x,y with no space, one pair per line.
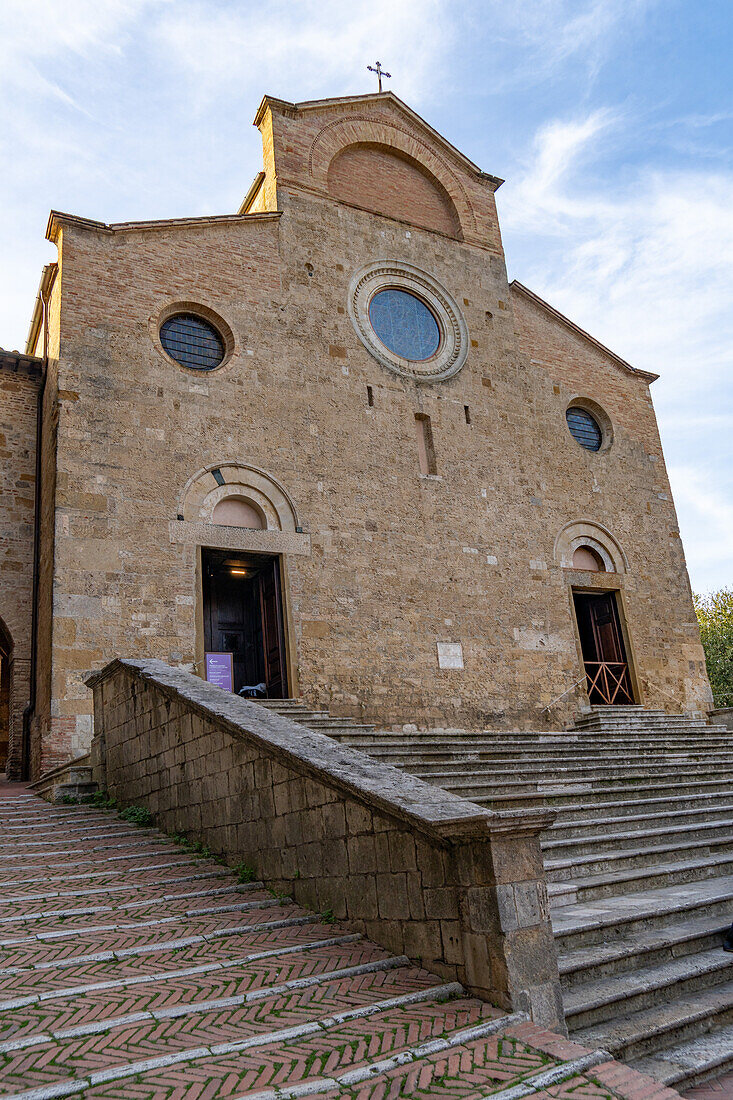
413,867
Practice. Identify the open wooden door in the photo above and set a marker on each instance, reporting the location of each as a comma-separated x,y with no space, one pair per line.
273,635
602,643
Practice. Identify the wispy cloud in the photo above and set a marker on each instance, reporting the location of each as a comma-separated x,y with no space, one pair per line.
309,44
547,36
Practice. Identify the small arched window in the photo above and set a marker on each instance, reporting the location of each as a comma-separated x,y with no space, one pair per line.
238,512
585,557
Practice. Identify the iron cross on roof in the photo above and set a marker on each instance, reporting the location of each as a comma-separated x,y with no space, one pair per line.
380,73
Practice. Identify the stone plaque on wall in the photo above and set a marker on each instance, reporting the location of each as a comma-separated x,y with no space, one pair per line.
450,655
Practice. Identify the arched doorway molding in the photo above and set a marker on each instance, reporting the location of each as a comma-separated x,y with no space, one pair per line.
230,479
584,532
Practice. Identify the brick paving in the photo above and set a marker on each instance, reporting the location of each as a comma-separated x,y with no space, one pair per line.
722,1089
131,969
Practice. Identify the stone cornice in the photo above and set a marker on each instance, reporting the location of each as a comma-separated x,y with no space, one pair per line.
57,219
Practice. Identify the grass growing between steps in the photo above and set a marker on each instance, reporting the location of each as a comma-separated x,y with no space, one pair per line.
144,819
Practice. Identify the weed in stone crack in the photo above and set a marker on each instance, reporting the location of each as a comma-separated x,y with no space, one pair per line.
327,916
282,898
69,800
244,872
137,815
101,800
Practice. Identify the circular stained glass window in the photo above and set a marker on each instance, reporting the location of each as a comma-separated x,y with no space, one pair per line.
584,428
404,324
192,342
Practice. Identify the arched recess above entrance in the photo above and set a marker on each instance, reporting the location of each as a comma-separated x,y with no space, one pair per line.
385,181
237,481
357,130
597,538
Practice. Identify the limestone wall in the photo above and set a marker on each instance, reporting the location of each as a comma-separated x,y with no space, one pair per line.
415,868
19,383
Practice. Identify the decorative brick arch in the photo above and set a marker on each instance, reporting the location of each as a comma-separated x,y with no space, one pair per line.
363,130
219,481
586,532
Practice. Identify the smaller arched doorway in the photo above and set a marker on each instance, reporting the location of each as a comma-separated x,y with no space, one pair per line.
6,666
595,563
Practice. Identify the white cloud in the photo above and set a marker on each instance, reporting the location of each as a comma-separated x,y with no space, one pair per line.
546,36
709,530
316,46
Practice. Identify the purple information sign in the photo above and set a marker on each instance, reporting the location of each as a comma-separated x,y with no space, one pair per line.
220,670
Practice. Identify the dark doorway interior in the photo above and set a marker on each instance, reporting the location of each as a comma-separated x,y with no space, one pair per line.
243,615
602,643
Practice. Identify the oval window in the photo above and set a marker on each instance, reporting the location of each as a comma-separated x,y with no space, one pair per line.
192,341
584,428
404,324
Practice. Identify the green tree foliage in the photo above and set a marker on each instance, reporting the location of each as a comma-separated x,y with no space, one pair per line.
715,616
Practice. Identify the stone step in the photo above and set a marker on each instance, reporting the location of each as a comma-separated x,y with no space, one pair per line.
440,760
692,1061
463,739
66,781
520,795
644,858
652,1040
471,779
321,720
598,1001
686,935
607,921
607,827
604,745
614,883
580,844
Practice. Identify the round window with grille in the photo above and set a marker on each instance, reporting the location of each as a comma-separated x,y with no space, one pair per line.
584,428
192,341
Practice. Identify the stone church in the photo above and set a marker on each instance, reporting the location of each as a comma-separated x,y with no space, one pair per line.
324,446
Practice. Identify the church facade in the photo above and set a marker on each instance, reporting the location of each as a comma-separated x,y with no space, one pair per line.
324,445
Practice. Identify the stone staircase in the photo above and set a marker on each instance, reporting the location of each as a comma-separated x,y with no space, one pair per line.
639,865
135,968
67,781
321,720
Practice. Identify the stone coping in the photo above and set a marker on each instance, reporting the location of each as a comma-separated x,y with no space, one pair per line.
439,814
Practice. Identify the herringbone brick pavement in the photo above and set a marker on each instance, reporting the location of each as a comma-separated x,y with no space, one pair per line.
131,969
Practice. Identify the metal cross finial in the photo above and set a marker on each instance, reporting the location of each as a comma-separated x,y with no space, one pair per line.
380,73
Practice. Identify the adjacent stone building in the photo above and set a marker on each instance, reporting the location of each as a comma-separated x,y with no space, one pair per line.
325,436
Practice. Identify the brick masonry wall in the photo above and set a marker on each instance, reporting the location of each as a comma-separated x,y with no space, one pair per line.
386,184
416,869
18,409
398,562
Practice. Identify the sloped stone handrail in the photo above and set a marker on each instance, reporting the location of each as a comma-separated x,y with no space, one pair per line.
419,870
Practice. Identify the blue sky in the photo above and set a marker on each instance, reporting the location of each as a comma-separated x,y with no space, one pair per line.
611,121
